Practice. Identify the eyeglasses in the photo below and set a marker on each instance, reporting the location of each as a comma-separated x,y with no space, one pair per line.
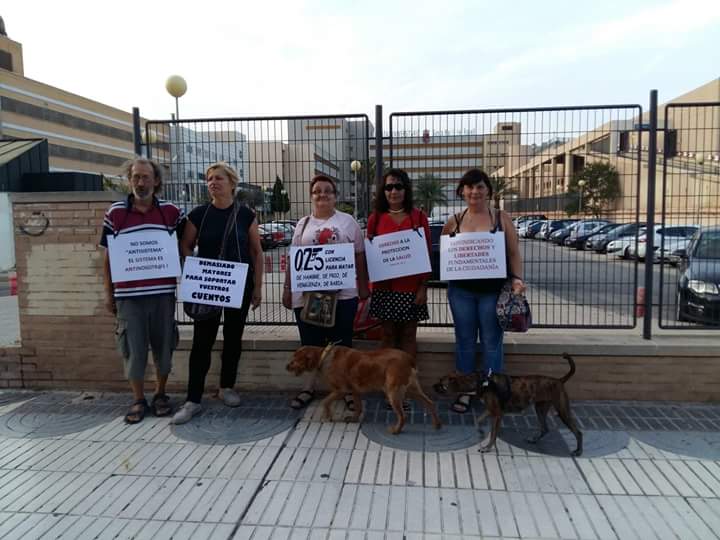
318,193
390,187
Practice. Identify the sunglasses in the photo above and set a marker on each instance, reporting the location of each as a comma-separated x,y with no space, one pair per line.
390,187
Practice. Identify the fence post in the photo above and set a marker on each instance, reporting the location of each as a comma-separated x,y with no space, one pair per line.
650,222
378,144
137,135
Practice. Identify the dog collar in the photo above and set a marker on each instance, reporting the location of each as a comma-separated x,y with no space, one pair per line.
325,352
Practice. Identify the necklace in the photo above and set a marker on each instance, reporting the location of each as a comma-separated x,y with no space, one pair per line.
396,211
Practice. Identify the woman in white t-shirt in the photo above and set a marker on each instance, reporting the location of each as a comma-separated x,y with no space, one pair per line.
326,225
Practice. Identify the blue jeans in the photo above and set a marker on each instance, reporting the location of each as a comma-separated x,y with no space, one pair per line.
474,314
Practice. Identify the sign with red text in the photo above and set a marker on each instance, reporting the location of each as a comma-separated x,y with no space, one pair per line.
398,254
329,267
475,255
143,255
213,282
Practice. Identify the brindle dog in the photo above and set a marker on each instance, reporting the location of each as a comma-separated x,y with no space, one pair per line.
503,394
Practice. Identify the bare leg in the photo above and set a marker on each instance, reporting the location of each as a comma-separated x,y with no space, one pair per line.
138,388
408,337
388,335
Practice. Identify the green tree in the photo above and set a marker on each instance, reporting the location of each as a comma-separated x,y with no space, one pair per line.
429,192
502,189
600,189
280,201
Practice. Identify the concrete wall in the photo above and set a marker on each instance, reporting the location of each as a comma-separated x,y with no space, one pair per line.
67,338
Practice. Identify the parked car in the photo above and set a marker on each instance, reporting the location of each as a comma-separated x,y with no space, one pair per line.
620,247
698,297
529,217
559,236
267,241
581,241
533,230
670,235
282,233
582,230
523,229
599,242
552,225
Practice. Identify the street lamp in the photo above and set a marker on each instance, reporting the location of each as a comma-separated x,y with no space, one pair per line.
176,87
355,166
581,185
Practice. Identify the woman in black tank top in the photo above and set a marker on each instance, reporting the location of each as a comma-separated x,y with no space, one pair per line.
473,301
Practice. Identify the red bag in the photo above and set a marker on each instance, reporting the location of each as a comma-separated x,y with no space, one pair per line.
364,326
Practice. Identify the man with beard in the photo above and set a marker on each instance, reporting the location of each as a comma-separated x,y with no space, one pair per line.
145,308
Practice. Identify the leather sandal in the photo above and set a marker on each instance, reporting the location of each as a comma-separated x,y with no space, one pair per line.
137,411
302,400
461,405
160,405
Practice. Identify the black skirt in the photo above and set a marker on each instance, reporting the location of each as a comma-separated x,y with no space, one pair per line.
396,307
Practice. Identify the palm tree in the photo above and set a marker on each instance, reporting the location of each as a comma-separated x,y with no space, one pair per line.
429,192
502,189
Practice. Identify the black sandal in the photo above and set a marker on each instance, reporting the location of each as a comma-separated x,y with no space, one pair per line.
135,415
461,405
302,400
160,405
349,402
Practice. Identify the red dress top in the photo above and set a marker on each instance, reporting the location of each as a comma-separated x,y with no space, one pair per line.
385,225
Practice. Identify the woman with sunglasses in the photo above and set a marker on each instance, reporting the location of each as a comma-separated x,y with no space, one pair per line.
400,302
326,225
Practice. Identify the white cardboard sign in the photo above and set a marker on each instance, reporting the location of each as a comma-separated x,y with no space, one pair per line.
329,267
398,254
213,282
474,255
143,255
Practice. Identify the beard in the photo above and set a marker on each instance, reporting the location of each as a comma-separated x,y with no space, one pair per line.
143,193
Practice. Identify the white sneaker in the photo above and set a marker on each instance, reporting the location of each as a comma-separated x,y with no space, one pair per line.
186,412
230,397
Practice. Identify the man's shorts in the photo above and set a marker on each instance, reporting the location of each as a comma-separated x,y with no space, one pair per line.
144,321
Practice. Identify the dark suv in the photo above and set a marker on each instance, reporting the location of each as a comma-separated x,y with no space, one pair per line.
435,231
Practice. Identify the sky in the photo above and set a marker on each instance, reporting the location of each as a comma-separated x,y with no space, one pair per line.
305,57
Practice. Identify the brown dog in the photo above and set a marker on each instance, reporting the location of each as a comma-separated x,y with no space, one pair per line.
347,370
502,393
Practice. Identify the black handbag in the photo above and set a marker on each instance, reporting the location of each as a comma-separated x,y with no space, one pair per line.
204,312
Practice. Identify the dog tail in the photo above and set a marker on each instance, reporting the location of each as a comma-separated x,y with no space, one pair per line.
570,373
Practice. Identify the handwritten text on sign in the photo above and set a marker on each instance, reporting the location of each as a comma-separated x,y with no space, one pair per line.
330,267
477,255
398,254
213,282
143,255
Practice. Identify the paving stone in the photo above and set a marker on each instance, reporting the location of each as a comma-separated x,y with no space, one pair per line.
701,445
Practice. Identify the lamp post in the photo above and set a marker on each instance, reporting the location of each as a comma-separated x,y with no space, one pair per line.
581,185
355,166
176,87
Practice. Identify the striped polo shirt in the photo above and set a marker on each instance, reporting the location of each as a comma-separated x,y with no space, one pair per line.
122,218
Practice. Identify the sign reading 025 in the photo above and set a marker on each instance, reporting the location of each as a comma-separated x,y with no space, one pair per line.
330,267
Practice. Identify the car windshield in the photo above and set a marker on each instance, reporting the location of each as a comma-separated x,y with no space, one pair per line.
708,246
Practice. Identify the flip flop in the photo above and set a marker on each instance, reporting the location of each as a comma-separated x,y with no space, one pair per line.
136,412
349,402
160,405
302,400
462,403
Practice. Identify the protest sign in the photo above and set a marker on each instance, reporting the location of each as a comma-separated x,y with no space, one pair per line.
329,267
398,254
213,282
143,255
474,255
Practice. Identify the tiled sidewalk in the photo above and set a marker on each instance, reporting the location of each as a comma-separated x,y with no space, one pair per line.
70,468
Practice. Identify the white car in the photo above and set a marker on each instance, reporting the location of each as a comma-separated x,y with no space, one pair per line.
667,239
621,246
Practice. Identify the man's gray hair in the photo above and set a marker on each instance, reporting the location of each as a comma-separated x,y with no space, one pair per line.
128,165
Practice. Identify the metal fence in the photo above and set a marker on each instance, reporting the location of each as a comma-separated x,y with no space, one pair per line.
275,158
594,163
690,270
540,162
